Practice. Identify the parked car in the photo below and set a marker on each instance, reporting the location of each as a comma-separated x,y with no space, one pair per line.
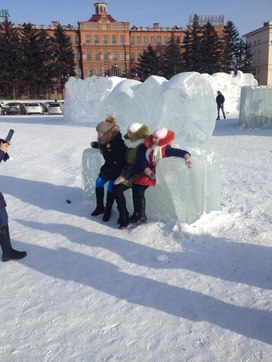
54,108
14,108
34,108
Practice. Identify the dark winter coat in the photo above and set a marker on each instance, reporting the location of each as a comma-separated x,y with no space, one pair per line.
3,156
114,152
220,99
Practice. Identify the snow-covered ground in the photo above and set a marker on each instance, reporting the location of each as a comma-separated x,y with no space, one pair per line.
88,291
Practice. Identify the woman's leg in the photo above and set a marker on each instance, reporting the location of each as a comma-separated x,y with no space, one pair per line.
139,203
99,191
121,204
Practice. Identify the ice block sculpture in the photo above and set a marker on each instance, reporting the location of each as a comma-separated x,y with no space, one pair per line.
255,107
184,104
86,100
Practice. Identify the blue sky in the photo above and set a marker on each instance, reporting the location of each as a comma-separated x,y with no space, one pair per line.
247,15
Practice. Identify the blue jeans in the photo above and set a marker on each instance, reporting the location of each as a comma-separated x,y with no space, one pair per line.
3,217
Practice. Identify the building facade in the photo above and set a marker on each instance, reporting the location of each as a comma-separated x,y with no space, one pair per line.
109,47
260,42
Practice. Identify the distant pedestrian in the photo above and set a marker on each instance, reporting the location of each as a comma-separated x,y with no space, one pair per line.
220,99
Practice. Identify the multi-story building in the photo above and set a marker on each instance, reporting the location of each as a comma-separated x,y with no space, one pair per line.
110,47
260,42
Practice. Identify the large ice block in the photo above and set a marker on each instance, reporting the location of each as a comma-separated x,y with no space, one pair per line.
255,107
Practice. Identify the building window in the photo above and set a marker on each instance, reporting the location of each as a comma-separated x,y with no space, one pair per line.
88,56
132,40
152,40
145,40
96,39
97,56
122,56
158,40
90,72
79,73
105,39
165,39
113,39
132,56
114,56
76,39
77,56
138,55
106,56
87,39
138,40
122,39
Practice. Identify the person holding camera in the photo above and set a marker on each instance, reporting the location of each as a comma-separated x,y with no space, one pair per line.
8,253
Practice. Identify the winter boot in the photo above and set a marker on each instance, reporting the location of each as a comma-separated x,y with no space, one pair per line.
141,219
124,219
8,252
99,191
109,203
134,218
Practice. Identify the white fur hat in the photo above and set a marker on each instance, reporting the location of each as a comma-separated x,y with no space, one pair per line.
134,127
160,133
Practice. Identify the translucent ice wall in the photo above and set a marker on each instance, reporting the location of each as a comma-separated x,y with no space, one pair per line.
255,107
184,104
86,100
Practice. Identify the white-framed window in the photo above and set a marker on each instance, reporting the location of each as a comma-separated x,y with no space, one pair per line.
113,39
97,56
122,39
89,56
114,56
87,39
105,39
96,39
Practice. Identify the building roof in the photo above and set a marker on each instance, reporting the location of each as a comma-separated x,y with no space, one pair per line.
98,17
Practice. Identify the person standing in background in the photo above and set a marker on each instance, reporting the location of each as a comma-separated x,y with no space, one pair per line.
220,99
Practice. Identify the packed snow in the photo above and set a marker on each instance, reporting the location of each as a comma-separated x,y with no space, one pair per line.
163,291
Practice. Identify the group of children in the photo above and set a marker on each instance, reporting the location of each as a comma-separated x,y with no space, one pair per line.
130,163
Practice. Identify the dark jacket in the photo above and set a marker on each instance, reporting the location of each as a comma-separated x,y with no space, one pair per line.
220,99
3,156
114,153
